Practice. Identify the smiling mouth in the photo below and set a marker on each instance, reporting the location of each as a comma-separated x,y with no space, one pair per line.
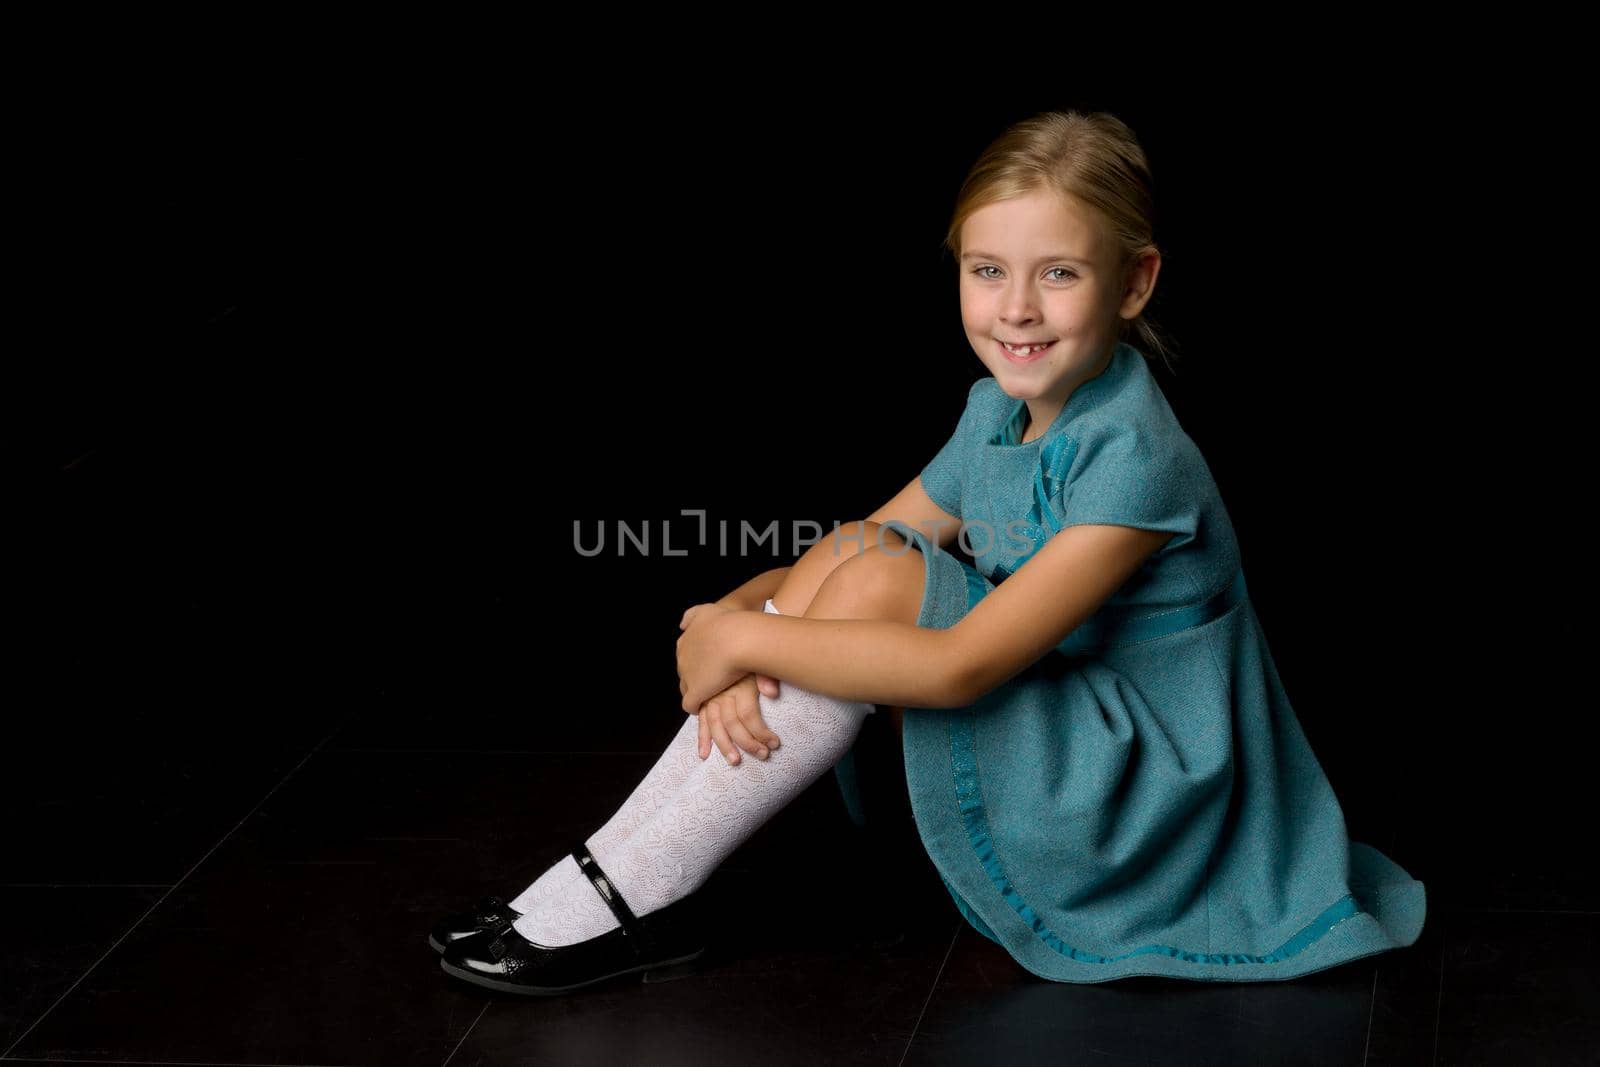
1027,351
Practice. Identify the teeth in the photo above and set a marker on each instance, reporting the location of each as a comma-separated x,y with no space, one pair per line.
1026,349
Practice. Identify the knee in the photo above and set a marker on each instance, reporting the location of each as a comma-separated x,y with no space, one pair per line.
850,540
881,582
847,543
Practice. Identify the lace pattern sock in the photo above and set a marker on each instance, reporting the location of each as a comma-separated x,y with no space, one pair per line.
717,809
662,782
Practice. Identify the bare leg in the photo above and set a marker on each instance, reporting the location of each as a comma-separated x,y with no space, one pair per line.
805,578
795,595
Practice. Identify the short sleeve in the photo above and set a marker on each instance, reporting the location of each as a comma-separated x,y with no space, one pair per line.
942,478
1136,476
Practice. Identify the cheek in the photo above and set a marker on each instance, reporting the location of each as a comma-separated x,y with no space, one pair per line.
975,309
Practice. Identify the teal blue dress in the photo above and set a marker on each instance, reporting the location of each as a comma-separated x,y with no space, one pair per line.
1142,800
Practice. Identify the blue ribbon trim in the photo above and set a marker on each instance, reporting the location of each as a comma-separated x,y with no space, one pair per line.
1116,625
971,916
1113,626
969,793
1049,481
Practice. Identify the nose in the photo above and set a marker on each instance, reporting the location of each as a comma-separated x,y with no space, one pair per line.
1018,306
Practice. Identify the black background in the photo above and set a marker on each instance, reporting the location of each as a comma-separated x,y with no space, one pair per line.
329,378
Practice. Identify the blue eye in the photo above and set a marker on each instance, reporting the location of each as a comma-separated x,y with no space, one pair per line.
1063,270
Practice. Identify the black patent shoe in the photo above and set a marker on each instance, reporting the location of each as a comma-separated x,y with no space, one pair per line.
488,916
663,945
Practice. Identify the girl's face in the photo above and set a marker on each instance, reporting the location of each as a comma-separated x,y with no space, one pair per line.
1038,268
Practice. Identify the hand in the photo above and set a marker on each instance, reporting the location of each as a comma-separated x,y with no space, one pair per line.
703,666
732,719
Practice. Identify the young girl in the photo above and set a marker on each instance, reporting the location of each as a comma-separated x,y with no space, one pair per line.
1102,762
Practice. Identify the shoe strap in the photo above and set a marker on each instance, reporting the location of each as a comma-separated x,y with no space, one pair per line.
643,944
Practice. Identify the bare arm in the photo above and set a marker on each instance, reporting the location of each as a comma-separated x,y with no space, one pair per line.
1030,612
875,661
754,594
904,665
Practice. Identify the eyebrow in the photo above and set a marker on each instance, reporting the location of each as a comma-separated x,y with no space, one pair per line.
1042,259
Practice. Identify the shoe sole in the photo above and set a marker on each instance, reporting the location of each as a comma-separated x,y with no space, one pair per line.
662,971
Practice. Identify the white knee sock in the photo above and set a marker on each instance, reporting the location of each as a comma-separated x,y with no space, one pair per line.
717,808
663,781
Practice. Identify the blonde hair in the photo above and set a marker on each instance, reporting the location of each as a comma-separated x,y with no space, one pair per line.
1094,159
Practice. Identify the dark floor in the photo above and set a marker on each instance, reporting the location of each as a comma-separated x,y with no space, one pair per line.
170,899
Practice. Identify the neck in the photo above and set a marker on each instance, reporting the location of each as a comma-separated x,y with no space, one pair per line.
1042,411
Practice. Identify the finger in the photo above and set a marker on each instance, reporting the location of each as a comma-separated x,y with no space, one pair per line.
759,729
769,686
719,734
704,748
757,726
742,735
708,724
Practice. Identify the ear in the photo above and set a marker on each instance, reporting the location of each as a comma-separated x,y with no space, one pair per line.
1140,283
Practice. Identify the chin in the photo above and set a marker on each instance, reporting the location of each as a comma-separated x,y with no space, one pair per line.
1024,394
1005,376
